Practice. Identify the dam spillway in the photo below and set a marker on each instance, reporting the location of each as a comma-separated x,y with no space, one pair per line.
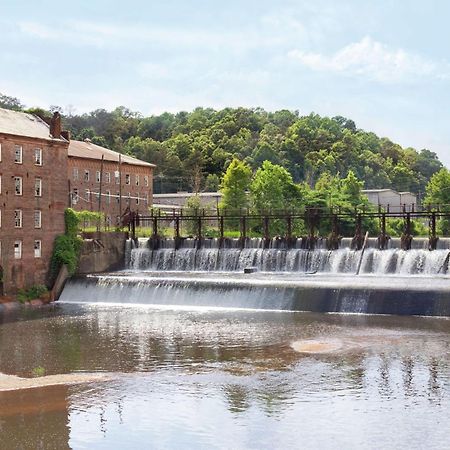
391,281
277,257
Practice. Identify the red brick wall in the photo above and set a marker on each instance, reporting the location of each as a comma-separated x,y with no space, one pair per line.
112,208
28,271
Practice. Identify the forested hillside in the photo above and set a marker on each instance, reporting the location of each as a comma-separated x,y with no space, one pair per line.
193,149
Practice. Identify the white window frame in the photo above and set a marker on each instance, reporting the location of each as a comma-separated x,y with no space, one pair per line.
117,177
18,185
75,197
18,215
38,187
38,156
108,197
146,180
97,176
38,250
107,177
18,154
86,176
137,179
127,179
117,197
75,174
18,249
37,218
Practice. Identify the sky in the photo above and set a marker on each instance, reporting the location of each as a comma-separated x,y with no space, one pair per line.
383,64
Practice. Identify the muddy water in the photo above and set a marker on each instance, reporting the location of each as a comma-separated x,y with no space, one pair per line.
204,378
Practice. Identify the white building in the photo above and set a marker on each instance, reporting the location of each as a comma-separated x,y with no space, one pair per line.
395,201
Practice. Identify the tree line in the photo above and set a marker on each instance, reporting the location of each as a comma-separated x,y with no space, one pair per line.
192,150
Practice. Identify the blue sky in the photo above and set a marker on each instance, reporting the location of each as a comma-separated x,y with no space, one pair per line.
384,64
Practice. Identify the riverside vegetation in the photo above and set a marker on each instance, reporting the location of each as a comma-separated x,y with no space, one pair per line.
284,159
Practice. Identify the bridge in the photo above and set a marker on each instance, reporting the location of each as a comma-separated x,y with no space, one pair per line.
205,223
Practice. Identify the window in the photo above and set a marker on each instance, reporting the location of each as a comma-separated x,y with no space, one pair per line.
17,249
75,196
108,221
108,197
97,176
75,173
137,180
37,249
118,197
86,175
117,176
88,195
0,152
37,218
146,180
18,185
107,177
128,198
137,199
38,187
17,218
18,154
127,178
38,156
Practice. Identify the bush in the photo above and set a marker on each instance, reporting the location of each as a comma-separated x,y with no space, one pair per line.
34,292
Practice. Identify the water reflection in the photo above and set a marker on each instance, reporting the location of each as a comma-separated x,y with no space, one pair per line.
225,379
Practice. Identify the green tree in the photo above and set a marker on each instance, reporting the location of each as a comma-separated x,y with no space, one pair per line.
235,184
272,188
438,194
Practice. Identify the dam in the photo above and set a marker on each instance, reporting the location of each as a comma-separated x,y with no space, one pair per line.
389,281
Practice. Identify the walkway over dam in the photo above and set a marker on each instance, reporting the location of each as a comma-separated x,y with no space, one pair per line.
327,224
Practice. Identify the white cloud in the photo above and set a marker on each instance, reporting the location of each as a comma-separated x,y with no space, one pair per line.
374,60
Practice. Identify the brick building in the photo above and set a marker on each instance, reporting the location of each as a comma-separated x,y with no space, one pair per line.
103,180
33,196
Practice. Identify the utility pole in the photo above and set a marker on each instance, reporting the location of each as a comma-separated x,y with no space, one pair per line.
100,191
120,187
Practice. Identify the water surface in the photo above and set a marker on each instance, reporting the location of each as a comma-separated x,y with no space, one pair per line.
205,378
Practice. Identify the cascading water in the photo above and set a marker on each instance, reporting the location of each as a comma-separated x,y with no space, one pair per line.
391,281
277,258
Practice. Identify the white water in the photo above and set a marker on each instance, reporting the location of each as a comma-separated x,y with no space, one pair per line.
417,261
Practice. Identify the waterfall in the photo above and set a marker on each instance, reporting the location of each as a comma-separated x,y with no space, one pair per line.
276,257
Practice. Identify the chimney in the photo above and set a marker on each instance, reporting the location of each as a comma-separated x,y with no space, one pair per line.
65,134
55,125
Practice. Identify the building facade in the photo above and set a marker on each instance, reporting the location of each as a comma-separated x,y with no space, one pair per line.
33,196
395,201
106,181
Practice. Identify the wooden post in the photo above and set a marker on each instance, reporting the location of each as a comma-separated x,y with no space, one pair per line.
433,240
289,227
406,238
243,227
266,228
155,226
221,227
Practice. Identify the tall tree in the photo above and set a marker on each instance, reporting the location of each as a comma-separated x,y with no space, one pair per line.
235,184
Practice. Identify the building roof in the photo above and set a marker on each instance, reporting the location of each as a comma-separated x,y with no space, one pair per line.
24,124
86,149
377,190
187,194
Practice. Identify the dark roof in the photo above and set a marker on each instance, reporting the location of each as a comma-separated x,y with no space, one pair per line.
86,149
